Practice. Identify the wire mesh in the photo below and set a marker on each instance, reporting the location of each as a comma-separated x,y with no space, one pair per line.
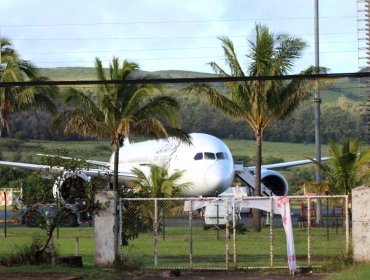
219,233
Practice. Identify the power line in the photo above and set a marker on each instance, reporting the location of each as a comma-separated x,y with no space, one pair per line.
157,49
172,21
159,37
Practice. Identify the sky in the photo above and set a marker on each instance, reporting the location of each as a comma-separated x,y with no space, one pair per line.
175,34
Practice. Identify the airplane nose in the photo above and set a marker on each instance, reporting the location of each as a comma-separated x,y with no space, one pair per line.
218,177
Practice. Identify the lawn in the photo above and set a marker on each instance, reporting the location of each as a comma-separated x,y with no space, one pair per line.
358,272
18,237
253,249
101,150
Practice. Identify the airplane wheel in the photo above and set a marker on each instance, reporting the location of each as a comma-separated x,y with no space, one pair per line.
32,219
69,221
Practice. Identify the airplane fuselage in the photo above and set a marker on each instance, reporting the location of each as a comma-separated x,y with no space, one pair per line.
207,162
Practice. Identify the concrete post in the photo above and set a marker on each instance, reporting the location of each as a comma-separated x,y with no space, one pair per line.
104,234
361,224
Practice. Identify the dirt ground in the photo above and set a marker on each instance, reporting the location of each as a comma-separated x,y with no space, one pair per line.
170,275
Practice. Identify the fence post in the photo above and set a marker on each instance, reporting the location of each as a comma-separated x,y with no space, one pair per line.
347,225
234,234
155,232
5,217
271,232
308,231
77,246
227,234
191,235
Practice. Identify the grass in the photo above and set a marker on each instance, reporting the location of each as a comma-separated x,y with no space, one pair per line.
98,150
101,150
253,249
356,272
286,151
65,244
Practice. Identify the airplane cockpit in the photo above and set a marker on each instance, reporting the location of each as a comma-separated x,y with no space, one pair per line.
211,156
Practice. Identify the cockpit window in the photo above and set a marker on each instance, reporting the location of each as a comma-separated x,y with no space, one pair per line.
198,156
220,155
209,156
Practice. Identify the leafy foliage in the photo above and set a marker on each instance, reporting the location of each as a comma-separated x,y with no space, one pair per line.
259,102
42,209
348,166
16,99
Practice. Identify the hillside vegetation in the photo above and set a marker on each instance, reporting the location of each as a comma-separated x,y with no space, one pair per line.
341,111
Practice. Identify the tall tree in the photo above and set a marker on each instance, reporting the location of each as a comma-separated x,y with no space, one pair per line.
121,111
15,99
259,102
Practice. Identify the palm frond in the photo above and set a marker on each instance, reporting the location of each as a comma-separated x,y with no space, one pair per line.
100,73
216,98
151,127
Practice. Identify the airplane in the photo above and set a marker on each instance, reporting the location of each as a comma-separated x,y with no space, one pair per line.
207,164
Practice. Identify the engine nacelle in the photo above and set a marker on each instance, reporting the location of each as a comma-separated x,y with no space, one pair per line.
274,182
70,187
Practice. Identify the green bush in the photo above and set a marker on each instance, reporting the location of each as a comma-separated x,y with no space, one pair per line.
27,254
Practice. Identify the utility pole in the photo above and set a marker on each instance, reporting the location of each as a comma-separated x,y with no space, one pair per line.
363,33
0,45
317,101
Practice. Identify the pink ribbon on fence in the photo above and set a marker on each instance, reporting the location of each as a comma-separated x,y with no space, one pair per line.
283,206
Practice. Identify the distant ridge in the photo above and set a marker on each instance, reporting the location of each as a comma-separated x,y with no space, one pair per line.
88,73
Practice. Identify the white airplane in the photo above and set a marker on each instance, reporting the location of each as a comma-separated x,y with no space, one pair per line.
207,164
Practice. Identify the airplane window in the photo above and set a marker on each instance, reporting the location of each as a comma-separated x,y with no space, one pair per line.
220,155
209,156
198,156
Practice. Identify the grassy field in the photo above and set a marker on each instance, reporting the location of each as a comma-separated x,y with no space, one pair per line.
173,249
358,272
101,150
253,249
27,150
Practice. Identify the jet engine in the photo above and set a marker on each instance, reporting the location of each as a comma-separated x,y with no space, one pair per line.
71,187
274,183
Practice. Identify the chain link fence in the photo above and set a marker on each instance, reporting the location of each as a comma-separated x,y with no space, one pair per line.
214,233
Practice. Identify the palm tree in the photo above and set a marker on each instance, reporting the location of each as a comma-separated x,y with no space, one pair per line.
121,111
15,99
159,182
347,167
259,102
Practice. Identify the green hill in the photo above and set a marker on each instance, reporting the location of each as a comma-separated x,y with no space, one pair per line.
351,88
340,117
88,73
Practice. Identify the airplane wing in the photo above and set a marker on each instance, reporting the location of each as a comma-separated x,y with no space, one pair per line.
106,173
95,162
287,164
92,172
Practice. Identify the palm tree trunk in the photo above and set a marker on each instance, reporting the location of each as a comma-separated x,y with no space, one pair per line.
115,197
115,168
256,213
5,130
